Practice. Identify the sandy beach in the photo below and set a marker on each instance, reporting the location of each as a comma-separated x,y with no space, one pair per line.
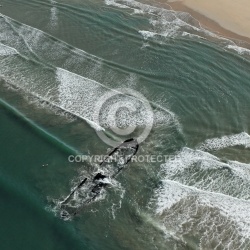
228,17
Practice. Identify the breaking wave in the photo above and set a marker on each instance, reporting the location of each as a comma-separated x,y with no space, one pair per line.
242,139
205,199
214,220
41,65
170,24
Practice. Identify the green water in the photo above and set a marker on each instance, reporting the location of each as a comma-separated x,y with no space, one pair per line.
25,222
57,60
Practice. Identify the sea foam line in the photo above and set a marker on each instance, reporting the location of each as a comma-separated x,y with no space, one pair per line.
234,210
78,92
34,35
97,127
239,49
241,139
205,171
170,23
6,50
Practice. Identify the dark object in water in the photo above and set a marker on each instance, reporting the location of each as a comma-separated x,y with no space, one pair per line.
99,176
97,189
123,155
131,143
69,196
128,144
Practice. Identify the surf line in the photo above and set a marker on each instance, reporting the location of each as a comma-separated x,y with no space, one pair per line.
39,130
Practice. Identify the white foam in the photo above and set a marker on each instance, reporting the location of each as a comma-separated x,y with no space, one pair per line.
167,23
228,204
6,50
242,139
69,91
79,95
192,35
28,39
184,159
210,216
240,169
207,172
114,3
147,34
240,50
201,195
53,16
170,23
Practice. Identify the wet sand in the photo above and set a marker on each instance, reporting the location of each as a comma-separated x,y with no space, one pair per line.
218,16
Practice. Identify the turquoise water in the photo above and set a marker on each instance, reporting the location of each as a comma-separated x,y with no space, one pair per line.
58,58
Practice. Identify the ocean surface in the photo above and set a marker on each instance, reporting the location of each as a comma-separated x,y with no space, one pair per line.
57,60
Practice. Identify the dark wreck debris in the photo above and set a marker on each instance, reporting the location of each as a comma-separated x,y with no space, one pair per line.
99,176
74,190
90,188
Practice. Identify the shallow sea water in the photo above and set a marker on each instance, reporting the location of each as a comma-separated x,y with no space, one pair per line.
58,58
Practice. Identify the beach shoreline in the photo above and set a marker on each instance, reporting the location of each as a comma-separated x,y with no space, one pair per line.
208,23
